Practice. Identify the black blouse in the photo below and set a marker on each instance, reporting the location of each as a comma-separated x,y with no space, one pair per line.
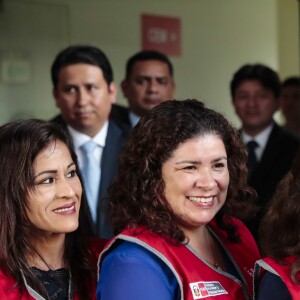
56,282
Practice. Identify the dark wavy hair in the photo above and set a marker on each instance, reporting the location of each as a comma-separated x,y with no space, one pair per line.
20,143
280,227
137,195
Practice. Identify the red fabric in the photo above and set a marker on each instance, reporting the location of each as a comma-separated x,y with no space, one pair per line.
283,271
9,291
244,253
192,270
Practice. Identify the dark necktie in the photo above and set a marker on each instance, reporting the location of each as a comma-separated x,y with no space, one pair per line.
252,159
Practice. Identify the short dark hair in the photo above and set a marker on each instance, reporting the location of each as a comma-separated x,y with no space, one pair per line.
147,55
291,81
137,195
20,143
267,77
81,54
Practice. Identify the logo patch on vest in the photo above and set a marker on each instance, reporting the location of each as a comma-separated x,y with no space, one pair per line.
203,289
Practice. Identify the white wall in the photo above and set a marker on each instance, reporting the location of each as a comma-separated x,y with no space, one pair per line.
289,37
30,32
217,38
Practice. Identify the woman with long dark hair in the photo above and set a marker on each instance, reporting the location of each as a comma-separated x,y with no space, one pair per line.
46,247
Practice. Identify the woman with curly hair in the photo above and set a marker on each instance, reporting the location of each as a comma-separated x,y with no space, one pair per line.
47,251
182,176
277,276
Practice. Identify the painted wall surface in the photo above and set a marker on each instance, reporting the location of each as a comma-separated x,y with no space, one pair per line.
217,38
289,37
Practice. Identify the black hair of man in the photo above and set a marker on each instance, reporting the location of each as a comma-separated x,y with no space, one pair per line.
81,54
267,77
291,81
147,55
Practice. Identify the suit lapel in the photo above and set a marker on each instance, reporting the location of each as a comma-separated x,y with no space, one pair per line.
109,165
110,154
269,156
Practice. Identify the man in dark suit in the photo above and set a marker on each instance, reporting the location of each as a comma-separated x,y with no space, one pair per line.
148,82
84,91
255,91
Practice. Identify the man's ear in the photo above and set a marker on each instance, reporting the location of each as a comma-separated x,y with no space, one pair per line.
113,92
124,87
278,104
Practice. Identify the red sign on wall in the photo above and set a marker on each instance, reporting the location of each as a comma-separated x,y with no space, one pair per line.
161,34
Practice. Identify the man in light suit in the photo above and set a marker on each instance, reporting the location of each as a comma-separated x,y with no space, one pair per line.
84,91
255,91
148,82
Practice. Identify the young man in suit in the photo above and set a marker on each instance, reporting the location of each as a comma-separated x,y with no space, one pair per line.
84,91
148,82
255,91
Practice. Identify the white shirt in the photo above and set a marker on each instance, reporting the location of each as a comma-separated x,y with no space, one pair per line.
80,138
133,118
261,139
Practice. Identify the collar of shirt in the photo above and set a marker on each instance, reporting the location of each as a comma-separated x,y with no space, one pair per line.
133,118
261,139
80,138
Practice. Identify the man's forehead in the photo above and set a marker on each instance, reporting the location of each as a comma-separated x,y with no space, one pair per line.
149,76
80,71
150,65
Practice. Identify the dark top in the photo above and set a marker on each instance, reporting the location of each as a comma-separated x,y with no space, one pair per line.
56,282
275,163
272,287
120,114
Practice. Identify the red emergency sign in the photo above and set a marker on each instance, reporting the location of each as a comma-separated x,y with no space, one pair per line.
162,34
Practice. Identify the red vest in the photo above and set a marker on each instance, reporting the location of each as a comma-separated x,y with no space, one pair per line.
283,271
9,291
196,278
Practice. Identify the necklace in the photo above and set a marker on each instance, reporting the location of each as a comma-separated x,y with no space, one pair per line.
215,264
43,260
